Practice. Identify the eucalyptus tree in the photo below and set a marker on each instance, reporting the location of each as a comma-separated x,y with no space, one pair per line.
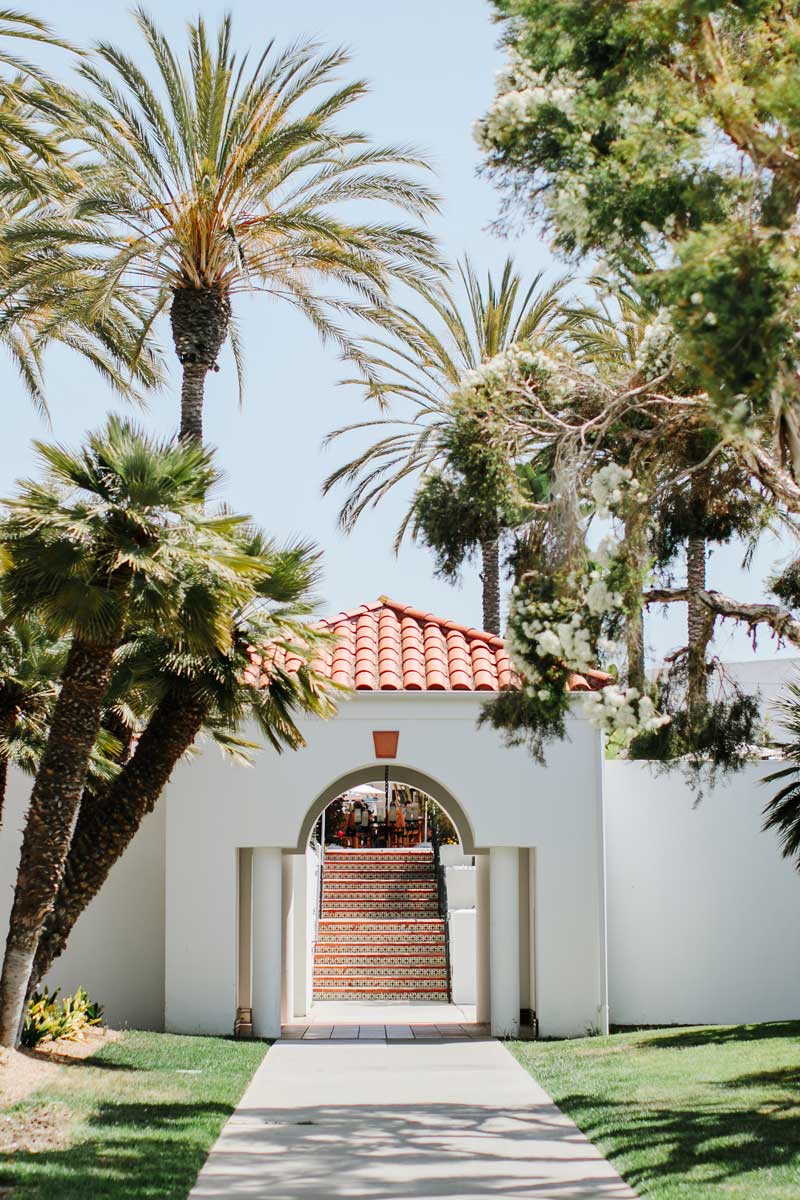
697,491
223,178
672,130
100,542
186,693
422,361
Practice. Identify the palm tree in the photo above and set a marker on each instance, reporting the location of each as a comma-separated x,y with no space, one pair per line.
31,662
188,693
221,180
421,364
782,812
28,101
98,544
48,262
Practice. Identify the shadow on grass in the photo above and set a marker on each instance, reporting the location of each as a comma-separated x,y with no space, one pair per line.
782,1078
691,1143
725,1034
130,1152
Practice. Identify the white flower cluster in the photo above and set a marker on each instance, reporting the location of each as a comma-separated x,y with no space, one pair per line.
655,352
599,597
521,92
610,487
506,370
622,710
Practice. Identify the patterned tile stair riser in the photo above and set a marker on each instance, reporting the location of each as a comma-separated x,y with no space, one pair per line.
380,936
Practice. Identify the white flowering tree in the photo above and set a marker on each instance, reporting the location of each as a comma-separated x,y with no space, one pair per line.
563,625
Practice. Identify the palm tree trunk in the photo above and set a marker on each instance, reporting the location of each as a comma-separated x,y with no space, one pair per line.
200,318
109,819
3,785
193,386
50,821
635,551
490,579
700,623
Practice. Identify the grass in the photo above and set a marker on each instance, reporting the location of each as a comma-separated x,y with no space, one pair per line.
133,1122
685,1114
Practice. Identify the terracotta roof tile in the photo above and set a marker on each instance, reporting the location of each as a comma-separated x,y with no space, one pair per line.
390,647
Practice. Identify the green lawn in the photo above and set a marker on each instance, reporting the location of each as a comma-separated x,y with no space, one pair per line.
134,1121
685,1114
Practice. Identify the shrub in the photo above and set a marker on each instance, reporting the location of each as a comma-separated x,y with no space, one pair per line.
48,1019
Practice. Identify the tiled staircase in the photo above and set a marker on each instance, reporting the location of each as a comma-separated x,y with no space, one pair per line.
380,936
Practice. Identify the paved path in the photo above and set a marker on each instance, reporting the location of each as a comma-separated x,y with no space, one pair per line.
339,1120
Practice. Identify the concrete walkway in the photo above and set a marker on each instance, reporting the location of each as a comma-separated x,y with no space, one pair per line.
338,1120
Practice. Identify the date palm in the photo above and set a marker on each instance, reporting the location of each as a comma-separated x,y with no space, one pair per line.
187,694
99,543
29,101
222,178
420,363
48,261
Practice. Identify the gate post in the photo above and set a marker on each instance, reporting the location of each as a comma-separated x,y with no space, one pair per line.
504,940
267,939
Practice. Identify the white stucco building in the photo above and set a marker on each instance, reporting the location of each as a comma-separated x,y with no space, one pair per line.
600,892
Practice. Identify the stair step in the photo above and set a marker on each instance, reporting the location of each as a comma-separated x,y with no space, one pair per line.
399,961
378,885
399,977
386,993
379,935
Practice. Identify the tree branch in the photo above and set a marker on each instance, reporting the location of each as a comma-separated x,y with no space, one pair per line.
782,623
774,477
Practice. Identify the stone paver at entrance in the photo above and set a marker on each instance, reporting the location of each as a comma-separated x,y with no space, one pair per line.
389,1033
331,1119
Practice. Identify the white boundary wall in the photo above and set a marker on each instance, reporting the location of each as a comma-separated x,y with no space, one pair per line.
702,910
116,950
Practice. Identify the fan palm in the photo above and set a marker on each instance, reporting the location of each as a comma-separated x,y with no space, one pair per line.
221,179
421,363
31,662
188,693
782,812
99,543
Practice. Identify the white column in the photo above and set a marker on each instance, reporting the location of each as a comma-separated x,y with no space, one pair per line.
287,942
482,938
532,923
504,940
300,933
267,937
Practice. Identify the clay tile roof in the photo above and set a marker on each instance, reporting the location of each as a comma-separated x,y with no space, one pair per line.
390,647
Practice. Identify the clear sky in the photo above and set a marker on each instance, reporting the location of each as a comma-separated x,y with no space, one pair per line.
431,64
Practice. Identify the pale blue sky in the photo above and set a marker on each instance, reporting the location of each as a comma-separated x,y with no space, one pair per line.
431,66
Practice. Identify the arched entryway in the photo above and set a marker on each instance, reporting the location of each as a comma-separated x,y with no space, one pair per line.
398,773
384,858
275,960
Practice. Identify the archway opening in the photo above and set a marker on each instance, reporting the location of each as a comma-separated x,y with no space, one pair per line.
384,815
385,854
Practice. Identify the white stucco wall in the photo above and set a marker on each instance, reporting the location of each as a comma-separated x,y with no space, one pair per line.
214,807
116,950
702,910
